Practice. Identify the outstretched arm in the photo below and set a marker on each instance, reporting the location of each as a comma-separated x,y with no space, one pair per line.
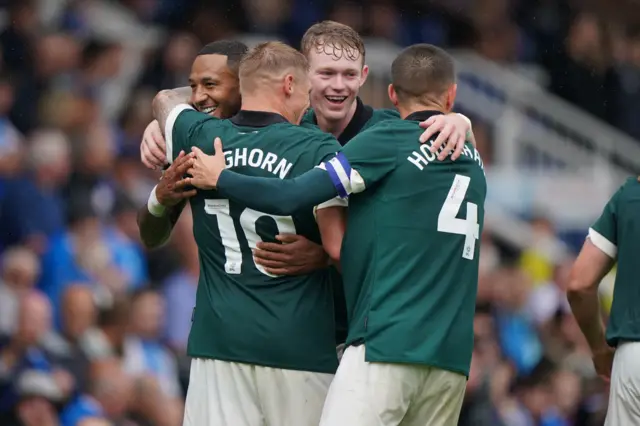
269,195
276,196
333,178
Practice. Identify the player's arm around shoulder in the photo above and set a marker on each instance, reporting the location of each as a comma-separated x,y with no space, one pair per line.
266,194
180,123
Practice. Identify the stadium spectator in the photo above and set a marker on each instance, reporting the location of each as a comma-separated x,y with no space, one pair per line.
144,353
78,314
19,273
48,163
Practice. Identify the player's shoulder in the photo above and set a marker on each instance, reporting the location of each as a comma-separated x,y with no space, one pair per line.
384,132
211,125
382,114
307,143
310,146
632,183
206,123
396,125
630,189
186,111
309,119
311,135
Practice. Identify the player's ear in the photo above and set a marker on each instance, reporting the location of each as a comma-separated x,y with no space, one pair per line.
289,83
451,96
393,95
365,74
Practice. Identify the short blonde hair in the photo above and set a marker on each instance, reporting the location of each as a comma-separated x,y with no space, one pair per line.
267,61
333,38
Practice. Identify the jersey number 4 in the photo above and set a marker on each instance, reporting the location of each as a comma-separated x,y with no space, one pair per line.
449,223
229,236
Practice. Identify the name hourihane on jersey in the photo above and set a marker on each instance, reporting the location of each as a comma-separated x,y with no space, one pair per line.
409,256
423,155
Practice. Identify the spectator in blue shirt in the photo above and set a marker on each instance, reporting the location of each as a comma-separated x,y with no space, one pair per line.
79,255
32,205
123,240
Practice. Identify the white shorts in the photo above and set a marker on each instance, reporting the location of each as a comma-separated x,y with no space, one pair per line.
624,393
382,394
233,394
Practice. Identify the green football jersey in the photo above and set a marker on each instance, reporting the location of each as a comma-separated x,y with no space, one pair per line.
242,313
617,234
410,253
364,117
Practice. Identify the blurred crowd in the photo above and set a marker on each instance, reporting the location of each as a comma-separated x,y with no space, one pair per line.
93,328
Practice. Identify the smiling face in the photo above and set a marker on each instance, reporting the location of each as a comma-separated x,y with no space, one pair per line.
214,87
335,82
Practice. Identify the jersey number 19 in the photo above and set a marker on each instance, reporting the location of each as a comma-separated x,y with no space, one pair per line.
229,236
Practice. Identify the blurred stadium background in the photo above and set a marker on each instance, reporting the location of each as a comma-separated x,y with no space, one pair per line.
552,87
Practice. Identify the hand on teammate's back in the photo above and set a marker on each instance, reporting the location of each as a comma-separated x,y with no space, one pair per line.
294,255
452,129
206,169
152,147
171,188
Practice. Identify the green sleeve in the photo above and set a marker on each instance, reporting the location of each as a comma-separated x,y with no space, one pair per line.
363,162
277,196
603,233
184,125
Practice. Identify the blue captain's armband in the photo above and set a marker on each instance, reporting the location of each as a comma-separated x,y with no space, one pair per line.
345,179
